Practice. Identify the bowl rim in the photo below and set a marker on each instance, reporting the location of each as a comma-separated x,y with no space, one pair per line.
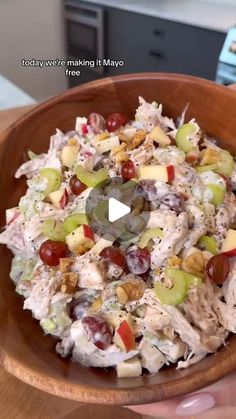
120,396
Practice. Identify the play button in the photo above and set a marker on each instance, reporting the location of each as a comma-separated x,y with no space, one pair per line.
116,210
112,210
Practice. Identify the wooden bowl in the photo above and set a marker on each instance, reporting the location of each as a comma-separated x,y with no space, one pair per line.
24,350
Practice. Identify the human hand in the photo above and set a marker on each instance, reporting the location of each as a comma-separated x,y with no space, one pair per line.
217,401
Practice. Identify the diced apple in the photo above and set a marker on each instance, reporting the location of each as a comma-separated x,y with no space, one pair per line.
64,199
130,368
159,136
69,155
124,337
229,244
152,358
55,197
107,145
80,238
161,173
100,245
116,317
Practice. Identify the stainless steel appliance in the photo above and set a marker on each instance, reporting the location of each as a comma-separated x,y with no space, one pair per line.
226,69
84,36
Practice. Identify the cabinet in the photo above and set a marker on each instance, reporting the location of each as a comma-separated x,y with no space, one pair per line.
152,44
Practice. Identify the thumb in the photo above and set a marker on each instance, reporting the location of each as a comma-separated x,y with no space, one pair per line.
219,394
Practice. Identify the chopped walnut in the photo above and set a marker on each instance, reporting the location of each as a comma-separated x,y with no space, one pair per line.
210,156
116,150
195,264
130,291
69,283
72,141
138,205
174,262
121,156
83,248
123,137
65,264
96,305
102,136
137,139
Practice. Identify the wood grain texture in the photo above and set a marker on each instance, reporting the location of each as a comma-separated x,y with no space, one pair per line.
22,401
24,351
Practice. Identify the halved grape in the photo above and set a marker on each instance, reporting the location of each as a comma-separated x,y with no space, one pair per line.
53,229
53,177
91,179
190,279
183,136
217,268
73,221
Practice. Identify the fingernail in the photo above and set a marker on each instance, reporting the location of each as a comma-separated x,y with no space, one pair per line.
194,404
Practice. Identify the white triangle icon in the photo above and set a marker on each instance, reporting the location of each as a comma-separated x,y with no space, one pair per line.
116,210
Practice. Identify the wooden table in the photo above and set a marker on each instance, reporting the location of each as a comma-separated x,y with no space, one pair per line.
21,401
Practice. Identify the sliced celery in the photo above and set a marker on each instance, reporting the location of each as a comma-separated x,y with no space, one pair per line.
53,229
172,296
209,243
149,234
217,193
73,221
91,179
100,213
226,165
207,168
48,325
53,177
182,136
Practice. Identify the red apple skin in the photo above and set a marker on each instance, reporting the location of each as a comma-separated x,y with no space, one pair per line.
230,253
64,199
84,129
88,232
170,173
127,335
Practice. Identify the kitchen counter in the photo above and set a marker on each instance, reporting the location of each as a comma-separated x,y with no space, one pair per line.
208,15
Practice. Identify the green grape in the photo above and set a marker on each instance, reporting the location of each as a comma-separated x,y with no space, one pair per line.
91,179
217,193
183,134
54,179
209,243
53,229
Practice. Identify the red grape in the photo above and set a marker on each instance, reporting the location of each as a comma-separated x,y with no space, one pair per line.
217,268
76,186
115,255
51,252
173,201
115,121
79,308
97,331
128,170
148,190
138,261
97,122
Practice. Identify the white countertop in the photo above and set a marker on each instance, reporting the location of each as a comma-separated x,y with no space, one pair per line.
205,14
12,96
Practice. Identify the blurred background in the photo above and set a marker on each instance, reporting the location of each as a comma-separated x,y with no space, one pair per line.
196,37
